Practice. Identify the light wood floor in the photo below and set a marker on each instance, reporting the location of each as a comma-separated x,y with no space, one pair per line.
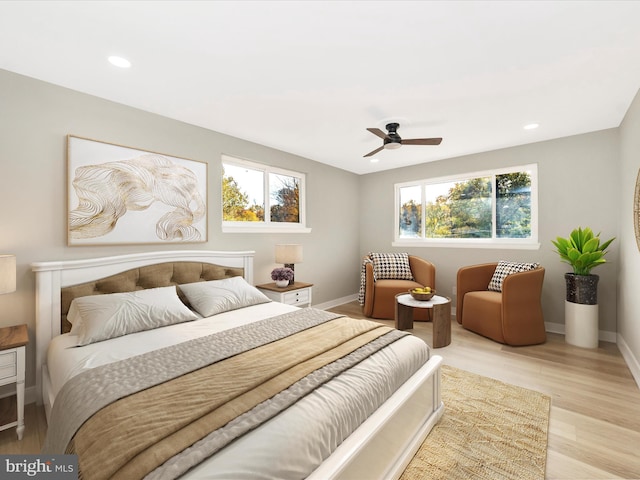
594,428
594,424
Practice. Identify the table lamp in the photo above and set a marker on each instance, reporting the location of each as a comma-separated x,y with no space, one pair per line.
289,254
7,273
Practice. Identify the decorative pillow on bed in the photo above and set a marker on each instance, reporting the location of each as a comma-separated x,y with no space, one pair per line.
101,317
506,268
218,296
391,265
74,318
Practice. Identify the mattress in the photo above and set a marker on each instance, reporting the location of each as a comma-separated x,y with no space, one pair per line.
295,442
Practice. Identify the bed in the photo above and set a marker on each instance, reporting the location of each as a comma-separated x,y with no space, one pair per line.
346,417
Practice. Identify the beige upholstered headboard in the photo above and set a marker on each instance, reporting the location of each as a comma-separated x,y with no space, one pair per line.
150,276
59,282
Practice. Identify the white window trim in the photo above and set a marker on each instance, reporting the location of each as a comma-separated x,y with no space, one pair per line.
268,226
497,243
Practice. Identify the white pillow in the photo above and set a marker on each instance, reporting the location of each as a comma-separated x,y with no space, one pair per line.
218,296
101,317
74,318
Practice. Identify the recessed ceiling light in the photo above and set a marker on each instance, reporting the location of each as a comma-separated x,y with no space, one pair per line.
119,62
531,126
374,160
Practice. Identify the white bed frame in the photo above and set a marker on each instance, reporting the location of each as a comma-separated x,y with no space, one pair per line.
380,448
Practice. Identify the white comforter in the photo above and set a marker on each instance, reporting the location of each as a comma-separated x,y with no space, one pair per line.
294,443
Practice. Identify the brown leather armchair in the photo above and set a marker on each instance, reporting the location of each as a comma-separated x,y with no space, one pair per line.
512,316
380,295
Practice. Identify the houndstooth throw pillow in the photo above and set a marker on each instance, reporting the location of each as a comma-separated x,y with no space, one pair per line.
507,268
391,265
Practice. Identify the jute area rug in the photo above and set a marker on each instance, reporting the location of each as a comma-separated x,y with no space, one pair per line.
490,430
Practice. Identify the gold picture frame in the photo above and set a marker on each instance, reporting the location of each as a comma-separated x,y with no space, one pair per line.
118,195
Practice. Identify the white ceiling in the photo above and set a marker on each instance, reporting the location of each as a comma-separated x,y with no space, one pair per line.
309,77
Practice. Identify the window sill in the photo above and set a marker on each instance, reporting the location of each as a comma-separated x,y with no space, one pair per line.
264,228
463,243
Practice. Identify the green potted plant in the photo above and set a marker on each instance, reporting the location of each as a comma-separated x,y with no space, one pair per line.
583,251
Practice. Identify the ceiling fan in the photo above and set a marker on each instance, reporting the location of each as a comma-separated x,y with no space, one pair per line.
392,140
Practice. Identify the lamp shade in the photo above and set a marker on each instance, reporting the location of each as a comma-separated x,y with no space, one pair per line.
288,253
7,273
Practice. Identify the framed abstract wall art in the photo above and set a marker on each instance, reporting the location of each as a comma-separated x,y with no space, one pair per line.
119,195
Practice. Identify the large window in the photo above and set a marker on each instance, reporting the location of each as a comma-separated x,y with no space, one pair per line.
483,208
260,197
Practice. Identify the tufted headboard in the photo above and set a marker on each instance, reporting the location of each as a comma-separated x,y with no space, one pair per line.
150,276
59,282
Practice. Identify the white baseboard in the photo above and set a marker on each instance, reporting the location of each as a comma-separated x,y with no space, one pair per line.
630,359
336,302
554,327
29,394
603,335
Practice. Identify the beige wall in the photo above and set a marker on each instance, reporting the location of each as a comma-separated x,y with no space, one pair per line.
578,179
629,277
35,118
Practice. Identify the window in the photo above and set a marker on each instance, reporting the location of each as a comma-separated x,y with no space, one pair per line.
261,198
491,209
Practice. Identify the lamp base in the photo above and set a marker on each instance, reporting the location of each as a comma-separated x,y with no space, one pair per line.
290,265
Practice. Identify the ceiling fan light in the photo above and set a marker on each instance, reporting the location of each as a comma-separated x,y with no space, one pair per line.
392,145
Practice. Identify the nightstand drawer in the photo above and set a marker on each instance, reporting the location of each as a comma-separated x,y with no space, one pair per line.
298,296
8,371
8,365
8,358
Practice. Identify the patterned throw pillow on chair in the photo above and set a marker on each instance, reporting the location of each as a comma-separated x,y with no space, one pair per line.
391,266
506,268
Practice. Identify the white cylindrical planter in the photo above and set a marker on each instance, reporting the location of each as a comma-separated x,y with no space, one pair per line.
581,324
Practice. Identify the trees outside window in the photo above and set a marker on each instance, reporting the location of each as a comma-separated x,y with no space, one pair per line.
488,206
242,197
284,193
261,194
513,205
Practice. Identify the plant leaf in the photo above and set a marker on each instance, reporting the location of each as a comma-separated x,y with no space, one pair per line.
591,245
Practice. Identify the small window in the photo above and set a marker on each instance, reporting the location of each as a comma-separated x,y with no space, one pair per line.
497,208
259,197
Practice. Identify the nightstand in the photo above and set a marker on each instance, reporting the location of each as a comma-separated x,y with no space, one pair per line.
13,341
298,294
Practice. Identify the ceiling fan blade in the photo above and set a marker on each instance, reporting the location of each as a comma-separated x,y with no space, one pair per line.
378,132
422,141
374,152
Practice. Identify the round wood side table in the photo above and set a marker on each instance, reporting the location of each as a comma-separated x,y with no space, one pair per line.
439,314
